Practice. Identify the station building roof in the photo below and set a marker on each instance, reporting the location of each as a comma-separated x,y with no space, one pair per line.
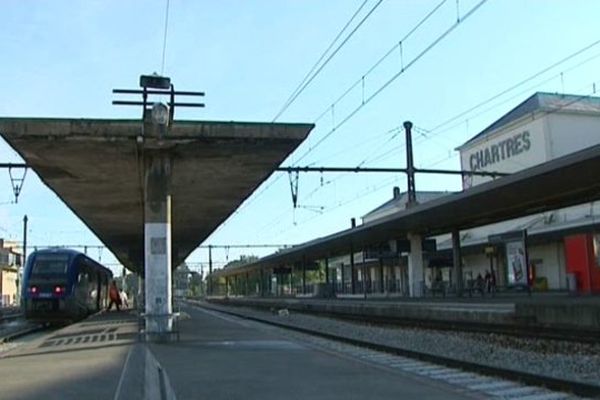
541,102
96,166
398,203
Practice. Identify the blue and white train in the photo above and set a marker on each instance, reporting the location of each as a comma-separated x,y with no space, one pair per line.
62,285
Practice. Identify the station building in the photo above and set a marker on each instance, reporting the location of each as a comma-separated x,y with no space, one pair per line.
563,245
10,261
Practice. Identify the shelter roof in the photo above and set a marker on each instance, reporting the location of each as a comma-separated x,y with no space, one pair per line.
561,182
96,166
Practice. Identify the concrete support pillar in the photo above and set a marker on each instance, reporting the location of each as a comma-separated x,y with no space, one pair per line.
303,275
343,277
139,299
457,261
261,286
247,286
157,245
415,266
381,276
270,282
365,273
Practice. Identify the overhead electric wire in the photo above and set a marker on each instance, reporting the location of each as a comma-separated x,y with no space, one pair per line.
522,82
300,86
382,184
394,77
164,49
419,24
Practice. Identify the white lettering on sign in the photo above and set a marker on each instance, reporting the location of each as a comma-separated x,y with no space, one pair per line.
502,150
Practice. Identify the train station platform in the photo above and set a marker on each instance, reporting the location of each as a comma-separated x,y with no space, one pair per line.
551,310
217,357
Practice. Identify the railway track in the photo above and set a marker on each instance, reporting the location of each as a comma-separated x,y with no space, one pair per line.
11,328
10,317
544,381
11,335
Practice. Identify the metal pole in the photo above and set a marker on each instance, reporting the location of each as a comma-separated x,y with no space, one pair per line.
25,219
210,277
352,280
410,167
381,289
23,260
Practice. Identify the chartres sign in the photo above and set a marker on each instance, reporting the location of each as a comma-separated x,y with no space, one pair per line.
502,150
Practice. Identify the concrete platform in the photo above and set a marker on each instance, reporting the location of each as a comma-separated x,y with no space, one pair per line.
77,362
543,310
218,357
226,358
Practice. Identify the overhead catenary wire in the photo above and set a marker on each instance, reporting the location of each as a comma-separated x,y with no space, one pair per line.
414,29
425,134
312,75
368,99
520,83
384,183
164,48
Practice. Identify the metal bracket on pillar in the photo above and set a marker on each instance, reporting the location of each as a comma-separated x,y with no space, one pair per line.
156,85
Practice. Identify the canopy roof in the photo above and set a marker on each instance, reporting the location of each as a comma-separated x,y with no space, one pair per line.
96,167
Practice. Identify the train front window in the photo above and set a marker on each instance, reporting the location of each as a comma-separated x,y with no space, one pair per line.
50,264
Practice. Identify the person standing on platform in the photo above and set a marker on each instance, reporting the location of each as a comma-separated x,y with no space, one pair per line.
114,296
124,299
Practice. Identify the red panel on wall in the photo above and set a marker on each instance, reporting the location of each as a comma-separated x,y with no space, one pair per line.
581,261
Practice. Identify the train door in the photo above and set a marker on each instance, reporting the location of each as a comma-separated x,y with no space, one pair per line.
82,287
92,293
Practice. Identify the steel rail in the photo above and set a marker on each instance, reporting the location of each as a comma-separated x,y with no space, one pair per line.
8,337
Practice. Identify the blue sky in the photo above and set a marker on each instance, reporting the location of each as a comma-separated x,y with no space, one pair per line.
63,58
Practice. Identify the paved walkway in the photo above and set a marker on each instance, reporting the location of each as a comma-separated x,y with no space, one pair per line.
222,357
218,357
77,362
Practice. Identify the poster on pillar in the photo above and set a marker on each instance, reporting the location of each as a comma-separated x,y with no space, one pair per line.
516,257
158,268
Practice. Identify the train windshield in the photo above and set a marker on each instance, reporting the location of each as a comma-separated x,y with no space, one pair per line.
50,264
